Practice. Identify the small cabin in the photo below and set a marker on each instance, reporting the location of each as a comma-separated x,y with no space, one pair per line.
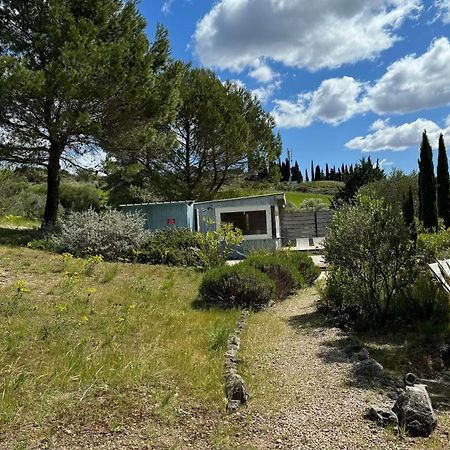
257,216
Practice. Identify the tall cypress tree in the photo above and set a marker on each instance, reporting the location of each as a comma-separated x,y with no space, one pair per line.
306,175
317,174
427,187
443,184
408,214
296,175
288,169
312,171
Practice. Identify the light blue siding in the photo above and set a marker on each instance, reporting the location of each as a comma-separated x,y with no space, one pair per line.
160,216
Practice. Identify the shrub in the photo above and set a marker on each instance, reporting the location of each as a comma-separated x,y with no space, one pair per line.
423,301
215,247
340,299
392,188
236,286
281,271
76,196
432,246
173,247
313,204
111,234
183,247
303,263
369,244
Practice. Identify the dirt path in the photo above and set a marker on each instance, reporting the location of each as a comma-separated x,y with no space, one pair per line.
309,399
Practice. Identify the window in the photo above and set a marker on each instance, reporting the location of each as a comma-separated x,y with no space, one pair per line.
250,222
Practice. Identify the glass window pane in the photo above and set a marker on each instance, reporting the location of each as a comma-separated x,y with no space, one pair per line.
250,222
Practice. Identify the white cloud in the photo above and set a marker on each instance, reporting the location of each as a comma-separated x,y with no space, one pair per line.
443,10
398,138
336,100
264,93
263,73
414,83
317,34
166,7
385,163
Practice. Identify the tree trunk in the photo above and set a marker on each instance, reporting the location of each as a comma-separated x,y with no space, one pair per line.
53,179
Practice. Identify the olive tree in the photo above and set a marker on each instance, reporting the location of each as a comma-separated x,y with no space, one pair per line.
368,245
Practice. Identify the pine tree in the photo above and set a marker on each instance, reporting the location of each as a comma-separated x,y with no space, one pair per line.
427,187
76,77
443,184
408,214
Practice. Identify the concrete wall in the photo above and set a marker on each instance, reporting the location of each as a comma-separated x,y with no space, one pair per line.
304,224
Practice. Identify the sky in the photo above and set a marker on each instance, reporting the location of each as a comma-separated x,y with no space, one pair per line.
342,78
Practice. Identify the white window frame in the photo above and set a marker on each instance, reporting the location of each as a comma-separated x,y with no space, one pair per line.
248,237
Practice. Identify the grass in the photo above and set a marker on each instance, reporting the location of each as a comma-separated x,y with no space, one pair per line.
297,198
89,345
18,222
295,193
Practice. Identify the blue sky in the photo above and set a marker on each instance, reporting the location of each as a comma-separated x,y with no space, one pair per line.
343,78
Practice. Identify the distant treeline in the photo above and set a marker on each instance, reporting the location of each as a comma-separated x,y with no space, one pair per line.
316,173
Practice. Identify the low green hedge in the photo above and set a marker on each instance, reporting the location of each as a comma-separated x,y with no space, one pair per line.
261,278
237,286
281,271
172,247
304,264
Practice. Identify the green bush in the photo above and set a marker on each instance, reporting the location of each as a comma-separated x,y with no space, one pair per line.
288,269
236,286
76,196
173,247
303,263
280,270
392,189
183,247
340,299
433,246
369,245
422,302
215,247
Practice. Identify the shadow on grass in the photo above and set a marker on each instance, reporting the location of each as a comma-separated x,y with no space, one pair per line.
18,237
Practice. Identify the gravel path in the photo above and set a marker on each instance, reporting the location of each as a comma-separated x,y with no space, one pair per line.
318,404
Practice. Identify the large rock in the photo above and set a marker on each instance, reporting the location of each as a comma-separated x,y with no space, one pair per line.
369,369
415,412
